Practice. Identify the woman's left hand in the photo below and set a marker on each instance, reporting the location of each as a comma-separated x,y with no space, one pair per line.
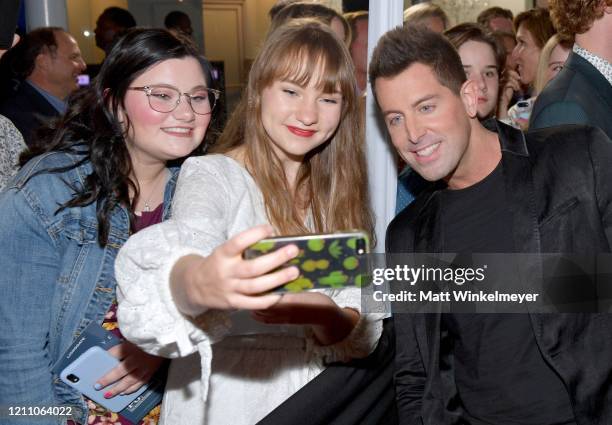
134,370
330,323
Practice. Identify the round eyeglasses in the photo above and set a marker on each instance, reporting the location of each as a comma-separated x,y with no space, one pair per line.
166,98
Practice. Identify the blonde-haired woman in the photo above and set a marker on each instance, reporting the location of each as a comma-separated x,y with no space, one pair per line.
554,54
552,58
291,161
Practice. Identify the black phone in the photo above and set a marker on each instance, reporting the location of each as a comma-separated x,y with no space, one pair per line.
333,260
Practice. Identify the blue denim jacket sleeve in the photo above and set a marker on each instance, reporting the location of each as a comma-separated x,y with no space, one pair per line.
29,264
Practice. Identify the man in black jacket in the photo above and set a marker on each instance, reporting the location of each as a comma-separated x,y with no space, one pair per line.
582,92
46,63
495,191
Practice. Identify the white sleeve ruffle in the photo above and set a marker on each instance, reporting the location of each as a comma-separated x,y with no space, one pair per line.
203,217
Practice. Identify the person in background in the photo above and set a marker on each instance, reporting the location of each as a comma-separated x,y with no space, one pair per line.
46,63
533,29
582,92
429,15
290,161
101,175
11,142
178,21
497,19
278,6
111,24
358,47
552,59
483,61
318,11
509,42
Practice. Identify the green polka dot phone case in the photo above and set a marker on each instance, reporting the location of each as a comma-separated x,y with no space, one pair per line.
330,261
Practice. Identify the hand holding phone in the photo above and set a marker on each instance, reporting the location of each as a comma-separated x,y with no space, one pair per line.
325,261
85,371
224,280
135,369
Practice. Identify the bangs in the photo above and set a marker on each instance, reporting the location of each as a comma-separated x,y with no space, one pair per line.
301,66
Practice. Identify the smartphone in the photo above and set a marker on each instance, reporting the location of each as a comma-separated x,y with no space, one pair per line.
90,366
335,260
523,109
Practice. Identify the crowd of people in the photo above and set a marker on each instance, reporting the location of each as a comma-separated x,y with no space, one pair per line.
120,206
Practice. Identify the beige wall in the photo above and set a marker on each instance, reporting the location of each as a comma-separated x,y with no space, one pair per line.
233,32
82,15
256,25
516,6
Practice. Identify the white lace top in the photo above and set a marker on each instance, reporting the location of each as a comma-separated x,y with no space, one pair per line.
11,146
228,369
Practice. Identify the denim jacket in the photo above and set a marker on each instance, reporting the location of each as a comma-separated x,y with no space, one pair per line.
55,280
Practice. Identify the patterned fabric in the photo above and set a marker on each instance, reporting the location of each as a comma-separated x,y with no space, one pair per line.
602,65
11,145
99,415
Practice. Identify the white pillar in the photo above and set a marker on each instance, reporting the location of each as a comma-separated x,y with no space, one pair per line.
382,167
46,13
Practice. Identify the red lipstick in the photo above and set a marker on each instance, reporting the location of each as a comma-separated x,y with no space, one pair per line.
301,132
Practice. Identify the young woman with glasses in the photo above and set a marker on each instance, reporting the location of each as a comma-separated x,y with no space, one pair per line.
101,175
290,161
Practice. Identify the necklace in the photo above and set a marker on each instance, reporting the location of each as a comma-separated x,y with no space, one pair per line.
147,206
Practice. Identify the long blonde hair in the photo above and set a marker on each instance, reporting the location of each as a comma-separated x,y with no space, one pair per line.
332,179
541,78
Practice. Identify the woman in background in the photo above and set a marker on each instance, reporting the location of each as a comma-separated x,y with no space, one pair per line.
102,175
291,161
554,54
533,29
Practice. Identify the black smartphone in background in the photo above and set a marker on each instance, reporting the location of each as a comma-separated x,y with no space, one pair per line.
9,15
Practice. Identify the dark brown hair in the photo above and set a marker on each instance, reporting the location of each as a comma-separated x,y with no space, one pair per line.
493,12
462,33
91,127
21,59
277,7
402,47
537,22
310,10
